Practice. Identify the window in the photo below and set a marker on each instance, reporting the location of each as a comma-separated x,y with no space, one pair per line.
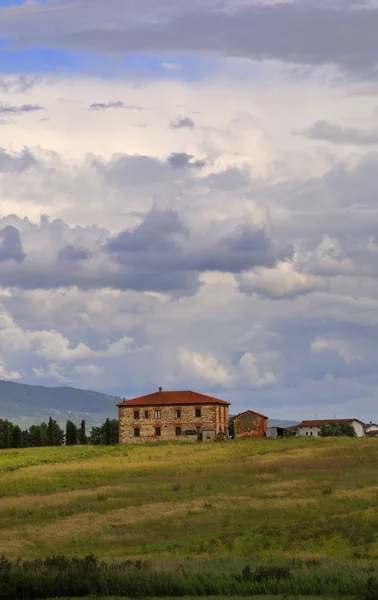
146,414
198,412
136,431
178,413
311,433
157,414
306,432
136,414
225,414
157,431
178,430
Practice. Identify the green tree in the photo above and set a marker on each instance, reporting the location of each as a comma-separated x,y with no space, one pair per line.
6,433
348,429
16,437
108,434
330,429
53,433
36,437
82,435
24,438
231,426
50,433
98,435
71,434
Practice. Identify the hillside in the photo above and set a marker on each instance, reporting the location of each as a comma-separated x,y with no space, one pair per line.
28,404
255,498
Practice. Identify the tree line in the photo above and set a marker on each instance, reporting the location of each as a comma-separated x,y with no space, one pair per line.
52,434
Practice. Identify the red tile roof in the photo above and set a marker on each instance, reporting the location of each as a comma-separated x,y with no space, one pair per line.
320,422
163,398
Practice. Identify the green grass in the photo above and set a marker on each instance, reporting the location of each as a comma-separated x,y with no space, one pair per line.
178,502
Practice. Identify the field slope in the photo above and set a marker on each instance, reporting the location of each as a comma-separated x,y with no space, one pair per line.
307,497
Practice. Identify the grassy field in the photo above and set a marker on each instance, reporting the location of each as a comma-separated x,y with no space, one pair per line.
251,498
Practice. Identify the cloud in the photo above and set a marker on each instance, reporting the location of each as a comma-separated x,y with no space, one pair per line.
8,109
16,162
336,134
117,104
182,123
250,371
181,160
306,34
343,348
283,281
171,66
204,366
72,253
18,84
10,245
5,374
160,254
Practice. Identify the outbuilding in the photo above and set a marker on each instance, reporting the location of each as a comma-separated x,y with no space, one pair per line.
250,424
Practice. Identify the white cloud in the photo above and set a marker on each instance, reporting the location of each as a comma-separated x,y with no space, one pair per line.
204,366
343,348
6,374
251,373
282,281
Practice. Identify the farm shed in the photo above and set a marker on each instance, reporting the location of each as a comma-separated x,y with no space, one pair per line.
275,432
250,424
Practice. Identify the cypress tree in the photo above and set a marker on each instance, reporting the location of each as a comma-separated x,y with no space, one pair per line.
71,434
108,433
16,437
50,433
6,434
25,438
82,435
38,437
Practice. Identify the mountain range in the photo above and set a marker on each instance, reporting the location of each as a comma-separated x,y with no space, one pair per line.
29,404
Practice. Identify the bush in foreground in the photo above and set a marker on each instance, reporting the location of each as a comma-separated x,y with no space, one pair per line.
58,576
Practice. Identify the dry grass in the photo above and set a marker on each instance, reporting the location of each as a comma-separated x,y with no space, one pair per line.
265,497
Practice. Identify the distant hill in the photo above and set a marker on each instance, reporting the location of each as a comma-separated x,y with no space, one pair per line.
28,404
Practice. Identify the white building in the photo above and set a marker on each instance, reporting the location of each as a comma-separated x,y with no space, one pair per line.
371,429
312,428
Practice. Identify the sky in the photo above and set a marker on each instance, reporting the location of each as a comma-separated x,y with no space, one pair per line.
188,199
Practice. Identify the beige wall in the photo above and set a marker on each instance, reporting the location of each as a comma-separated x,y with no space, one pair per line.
314,430
213,416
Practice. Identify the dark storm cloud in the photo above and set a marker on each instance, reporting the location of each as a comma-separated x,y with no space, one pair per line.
305,33
182,160
160,255
118,104
322,130
10,245
182,123
8,109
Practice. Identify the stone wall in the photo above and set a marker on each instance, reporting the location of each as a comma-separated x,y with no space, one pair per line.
249,424
213,417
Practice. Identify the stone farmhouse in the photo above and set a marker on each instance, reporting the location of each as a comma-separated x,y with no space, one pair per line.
313,427
250,424
172,415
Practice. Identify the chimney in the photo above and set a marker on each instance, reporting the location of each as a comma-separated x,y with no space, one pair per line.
160,389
